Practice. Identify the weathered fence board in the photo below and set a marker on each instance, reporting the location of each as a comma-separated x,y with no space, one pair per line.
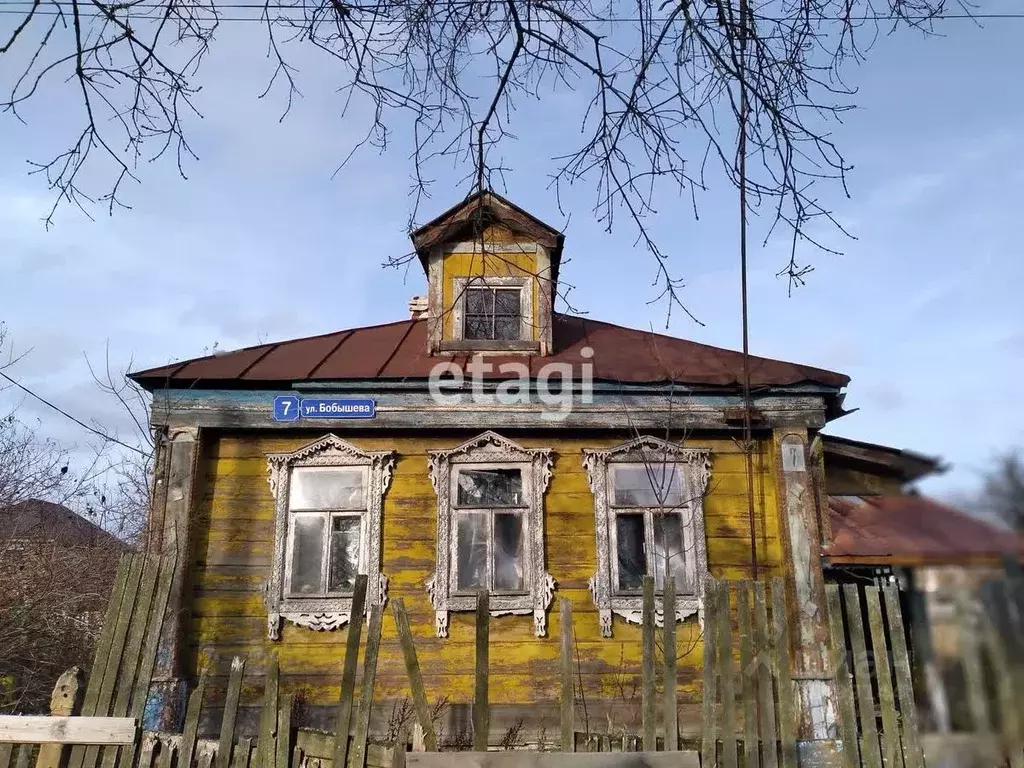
748,678
648,702
517,759
727,678
783,672
844,686
883,677
769,745
412,667
913,757
348,675
567,702
670,685
481,715
227,726
49,729
709,722
358,757
870,753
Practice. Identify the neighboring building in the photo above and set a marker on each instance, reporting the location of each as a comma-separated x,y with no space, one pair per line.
934,553
56,573
437,487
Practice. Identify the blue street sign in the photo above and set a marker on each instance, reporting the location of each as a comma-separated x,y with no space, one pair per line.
337,408
286,408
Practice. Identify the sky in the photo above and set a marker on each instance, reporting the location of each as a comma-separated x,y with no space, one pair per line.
264,241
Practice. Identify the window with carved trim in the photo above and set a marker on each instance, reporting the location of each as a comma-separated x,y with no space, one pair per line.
649,521
328,500
490,529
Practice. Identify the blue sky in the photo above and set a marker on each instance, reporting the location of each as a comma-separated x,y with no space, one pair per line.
262,242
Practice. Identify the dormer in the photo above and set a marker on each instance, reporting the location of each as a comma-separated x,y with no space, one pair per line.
492,275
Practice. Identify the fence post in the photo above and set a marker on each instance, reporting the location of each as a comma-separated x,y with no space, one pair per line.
869,751
412,668
481,716
727,677
567,702
265,749
784,675
348,675
227,726
883,677
844,685
709,715
671,713
748,670
65,700
358,757
648,702
763,652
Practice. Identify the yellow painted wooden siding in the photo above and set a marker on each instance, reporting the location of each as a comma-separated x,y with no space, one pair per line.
233,540
487,265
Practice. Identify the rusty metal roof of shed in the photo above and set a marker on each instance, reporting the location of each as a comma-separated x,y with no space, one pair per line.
398,352
912,530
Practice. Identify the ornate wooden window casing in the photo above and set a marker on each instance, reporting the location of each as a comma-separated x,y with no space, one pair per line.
490,529
334,490
648,509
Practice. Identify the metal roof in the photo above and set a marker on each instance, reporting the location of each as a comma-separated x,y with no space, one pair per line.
398,352
912,530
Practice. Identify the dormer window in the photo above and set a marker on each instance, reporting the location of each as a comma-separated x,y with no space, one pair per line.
493,313
492,274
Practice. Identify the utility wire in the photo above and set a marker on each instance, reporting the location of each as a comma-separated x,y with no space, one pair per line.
67,415
21,7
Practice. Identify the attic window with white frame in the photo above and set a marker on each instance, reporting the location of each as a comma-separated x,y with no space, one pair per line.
490,529
328,500
649,516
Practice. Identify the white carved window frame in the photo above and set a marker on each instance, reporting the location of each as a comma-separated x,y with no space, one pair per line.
493,451
695,469
330,612
523,284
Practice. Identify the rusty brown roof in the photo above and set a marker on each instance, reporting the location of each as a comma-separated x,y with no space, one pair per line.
397,351
912,530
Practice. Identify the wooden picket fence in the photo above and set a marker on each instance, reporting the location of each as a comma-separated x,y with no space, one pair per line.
749,705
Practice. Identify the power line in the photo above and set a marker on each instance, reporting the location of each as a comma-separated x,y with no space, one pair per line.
67,415
22,7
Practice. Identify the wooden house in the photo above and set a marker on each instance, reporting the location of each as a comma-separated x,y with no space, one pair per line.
486,442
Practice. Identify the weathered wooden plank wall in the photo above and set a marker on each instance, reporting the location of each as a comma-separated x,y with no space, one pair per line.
232,554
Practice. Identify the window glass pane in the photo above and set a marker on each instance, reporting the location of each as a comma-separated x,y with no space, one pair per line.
478,301
629,530
326,488
307,554
508,552
490,488
507,328
478,327
647,485
668,542
344,563
472,551
506,302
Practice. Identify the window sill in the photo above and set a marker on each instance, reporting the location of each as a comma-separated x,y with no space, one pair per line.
489,345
